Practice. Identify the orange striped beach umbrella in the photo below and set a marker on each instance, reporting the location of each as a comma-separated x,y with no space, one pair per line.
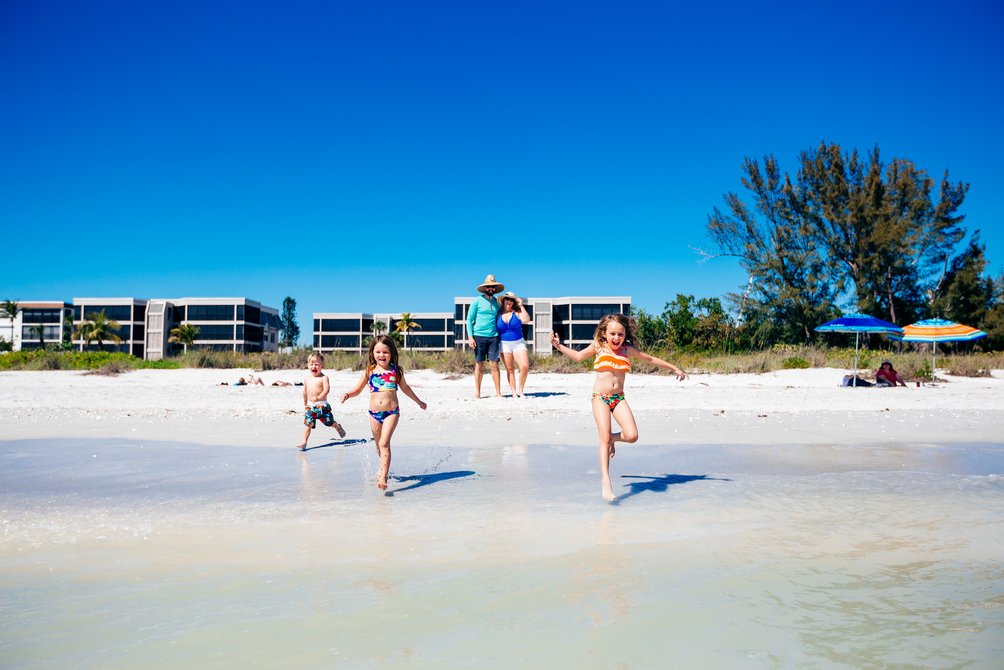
938,330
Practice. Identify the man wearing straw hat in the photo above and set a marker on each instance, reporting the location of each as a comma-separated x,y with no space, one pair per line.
484,335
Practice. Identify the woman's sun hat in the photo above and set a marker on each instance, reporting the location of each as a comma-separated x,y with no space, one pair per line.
490,281
508,294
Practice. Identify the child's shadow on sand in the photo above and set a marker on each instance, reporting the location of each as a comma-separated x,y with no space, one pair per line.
425,480
544,394
338,443
660,483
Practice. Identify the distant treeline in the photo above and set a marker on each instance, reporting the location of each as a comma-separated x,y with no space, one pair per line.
842,234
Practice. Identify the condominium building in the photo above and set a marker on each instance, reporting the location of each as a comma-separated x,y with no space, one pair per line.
224,324
574,318
41,324
129,313
350,331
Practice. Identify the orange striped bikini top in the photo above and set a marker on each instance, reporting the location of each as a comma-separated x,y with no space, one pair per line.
608,360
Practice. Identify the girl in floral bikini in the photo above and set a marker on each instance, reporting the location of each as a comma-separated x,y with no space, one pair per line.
613,347
385,377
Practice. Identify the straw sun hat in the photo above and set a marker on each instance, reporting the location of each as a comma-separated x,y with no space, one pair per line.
490,281
507,294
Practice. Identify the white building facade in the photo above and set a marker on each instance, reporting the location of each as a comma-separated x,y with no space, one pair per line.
574,318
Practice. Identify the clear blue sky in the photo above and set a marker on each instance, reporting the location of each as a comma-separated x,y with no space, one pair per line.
378,155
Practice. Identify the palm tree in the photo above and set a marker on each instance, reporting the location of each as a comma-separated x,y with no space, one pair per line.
10,309
185,335
39,332
99,328
378,327
405,325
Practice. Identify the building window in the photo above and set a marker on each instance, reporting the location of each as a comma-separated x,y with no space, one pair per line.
28,333
341,325
583,331
41,315
211,313
209,332
339,342
240,312
432,325
253,314
112,312
252,334
560,312
593,312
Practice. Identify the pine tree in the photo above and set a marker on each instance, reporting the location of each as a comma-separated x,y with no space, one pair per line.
289,330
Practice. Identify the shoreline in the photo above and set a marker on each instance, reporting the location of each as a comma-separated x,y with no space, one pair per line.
786,407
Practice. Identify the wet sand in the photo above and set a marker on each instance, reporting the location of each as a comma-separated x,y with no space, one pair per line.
492,548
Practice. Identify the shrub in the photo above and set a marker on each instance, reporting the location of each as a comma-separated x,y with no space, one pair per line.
795,363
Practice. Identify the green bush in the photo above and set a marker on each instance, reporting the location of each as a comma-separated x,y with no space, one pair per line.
795,363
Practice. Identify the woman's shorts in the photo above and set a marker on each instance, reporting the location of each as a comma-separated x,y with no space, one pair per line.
512,346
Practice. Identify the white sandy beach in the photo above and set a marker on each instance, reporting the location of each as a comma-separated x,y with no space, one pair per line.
776,520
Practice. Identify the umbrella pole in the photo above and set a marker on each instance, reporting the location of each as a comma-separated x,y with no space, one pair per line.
854,379
934,357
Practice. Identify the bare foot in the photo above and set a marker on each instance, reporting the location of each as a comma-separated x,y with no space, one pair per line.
611,450
382,484
338,428
302,446
608,493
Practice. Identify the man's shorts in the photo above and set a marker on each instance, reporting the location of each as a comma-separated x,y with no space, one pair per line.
486,348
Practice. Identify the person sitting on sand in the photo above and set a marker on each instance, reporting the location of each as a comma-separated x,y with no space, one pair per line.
254,381
315,400
887,376
613,346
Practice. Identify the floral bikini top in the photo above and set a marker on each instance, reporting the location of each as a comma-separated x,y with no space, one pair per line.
610,360
383,381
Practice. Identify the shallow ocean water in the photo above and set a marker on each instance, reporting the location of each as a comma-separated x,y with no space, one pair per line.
120,554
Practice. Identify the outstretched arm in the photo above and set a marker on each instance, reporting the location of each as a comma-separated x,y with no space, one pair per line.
658,362
355,390
406,389
577,356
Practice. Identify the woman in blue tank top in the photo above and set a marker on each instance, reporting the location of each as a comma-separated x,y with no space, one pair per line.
510,323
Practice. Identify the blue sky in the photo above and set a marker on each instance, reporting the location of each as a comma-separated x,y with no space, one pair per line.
370,156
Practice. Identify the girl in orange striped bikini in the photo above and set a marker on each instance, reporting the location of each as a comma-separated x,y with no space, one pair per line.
613,346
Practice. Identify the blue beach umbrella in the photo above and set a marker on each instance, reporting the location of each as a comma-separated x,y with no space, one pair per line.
857,324
938,330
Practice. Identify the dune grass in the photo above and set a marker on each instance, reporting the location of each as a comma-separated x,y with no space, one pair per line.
912,362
